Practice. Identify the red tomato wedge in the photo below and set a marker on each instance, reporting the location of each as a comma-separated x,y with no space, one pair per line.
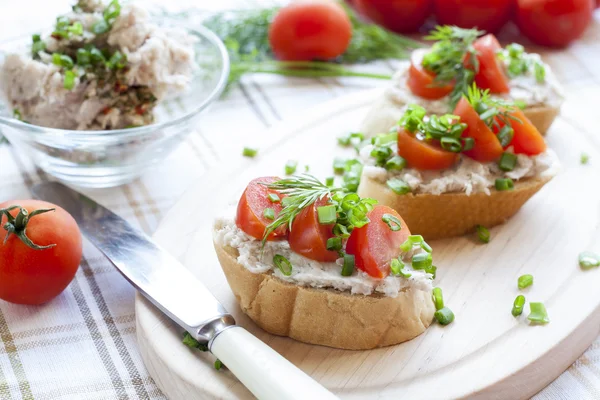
375,244
421,82
487,146
491,71
527,138
250,212
422,155
309,238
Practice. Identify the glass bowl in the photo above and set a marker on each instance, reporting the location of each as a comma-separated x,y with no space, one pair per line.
100,159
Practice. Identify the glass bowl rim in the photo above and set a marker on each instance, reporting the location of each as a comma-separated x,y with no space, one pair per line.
141,130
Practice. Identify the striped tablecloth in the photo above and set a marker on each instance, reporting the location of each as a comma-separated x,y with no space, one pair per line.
82,345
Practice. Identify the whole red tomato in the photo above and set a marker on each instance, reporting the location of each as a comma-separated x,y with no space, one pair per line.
554,23
488,15
402,16
37,264
308,30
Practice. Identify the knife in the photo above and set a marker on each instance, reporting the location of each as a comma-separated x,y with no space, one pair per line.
175,291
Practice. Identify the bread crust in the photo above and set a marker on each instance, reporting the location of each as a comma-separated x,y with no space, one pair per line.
452,214
326,317
386,113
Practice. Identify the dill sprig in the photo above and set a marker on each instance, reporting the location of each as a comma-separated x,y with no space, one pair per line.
300,192
491,110
453,58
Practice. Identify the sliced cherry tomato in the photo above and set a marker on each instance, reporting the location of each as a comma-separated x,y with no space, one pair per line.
402,16
375,244
250,215
421,82
308,30
309,238
527,138
422,155
491,71
554,23
487,147
488,15
36,276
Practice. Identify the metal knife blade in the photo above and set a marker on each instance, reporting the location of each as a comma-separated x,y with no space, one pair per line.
156,274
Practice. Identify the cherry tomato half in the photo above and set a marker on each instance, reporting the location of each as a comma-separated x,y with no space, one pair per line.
309,238
308,30
487,147
422,82
554,23
487,15
250,216
375,244
491,71
422,155
29,276
402,16
527,138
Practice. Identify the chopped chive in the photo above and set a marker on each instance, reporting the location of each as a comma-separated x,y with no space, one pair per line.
76,29
507,162
451,144
539,72
334,243
398,186
283,264
422,261
36,38
306,168
431,270
520,104
37,46
538,313
69,81
344,141
381,154
339,165
426,247
438,300
504,184
329,181
100,27
290,167
83,57
483,234
411,241
505,136
397,268
17,114
525,281
589,260
218,364
273,198
341,231
117,61
585,158
444,316
384,138
392,221
97,56
518,306
396,163
62,60
468,144
269,213
249,152
189,341
348,267
327,214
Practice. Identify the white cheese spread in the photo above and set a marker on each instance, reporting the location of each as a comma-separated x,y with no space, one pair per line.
309,273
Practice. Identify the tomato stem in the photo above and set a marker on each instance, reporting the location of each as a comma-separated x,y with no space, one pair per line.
18,225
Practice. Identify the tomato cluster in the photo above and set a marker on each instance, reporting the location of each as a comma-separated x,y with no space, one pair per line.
373,245
546,22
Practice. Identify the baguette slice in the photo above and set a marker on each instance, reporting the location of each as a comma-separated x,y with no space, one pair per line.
452,214
326,317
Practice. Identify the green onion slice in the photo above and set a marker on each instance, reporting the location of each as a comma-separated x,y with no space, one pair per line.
451,144
468,144
69,81
398,186
518,305
329,181
327,214
339,165
83,57
273,198
438,300
504,184
341,231
334,243
483,234
284,265
411,241
100,27
525,281
588,260
507,162
348,267
218,364
505,136
269,213
392,221
422,261
290,167
396,163
538,313
397,268
444,316
585,158
249,152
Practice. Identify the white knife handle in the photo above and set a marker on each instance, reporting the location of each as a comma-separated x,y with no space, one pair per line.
262,370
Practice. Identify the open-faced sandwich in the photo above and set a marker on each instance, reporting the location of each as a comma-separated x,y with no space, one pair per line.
316,264
438,77
448,174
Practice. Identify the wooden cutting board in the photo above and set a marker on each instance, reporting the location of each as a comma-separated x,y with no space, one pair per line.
485,353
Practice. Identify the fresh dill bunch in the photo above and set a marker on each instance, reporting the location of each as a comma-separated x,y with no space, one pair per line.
453,58
491,110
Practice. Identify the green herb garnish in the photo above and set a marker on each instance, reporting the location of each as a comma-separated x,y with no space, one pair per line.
218,364
283,264
507,162
520,63
492,111
398,186
518,305
585,158
422,261
525,281
444,316
538,313
327,214
189,341
69,80
290,167
249,152
483,234
269,213
589,260
438,299
273,198
348,267
392,221
502,184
